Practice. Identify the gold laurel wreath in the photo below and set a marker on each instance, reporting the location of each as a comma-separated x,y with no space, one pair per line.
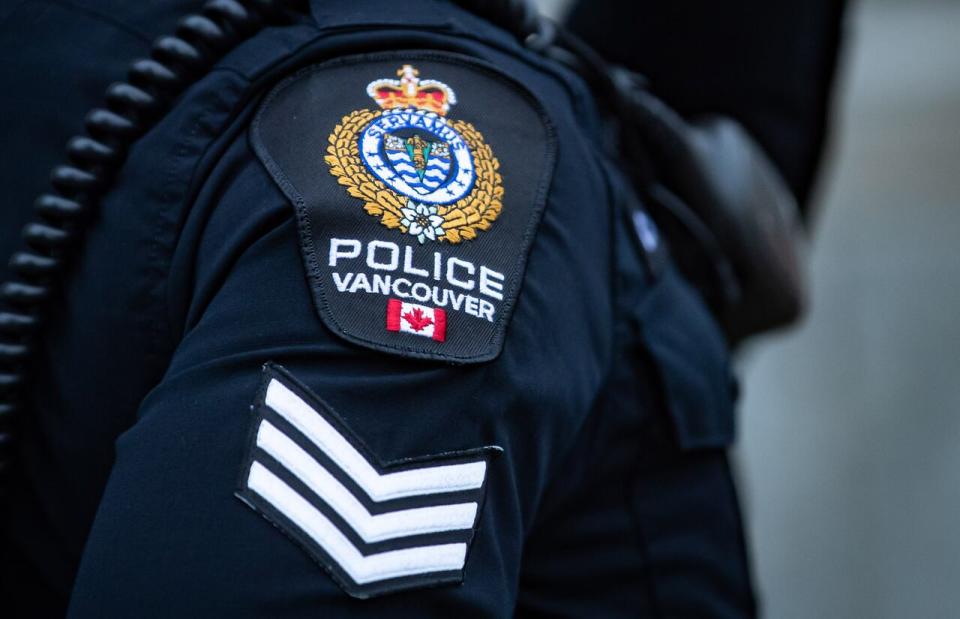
461,220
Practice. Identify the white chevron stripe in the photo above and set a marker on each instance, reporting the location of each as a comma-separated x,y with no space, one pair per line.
363,570
370,528
414,482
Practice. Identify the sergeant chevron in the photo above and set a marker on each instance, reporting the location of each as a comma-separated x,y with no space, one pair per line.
389,269
311,476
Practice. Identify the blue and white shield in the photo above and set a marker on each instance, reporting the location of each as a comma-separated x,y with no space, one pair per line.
419,155
424,165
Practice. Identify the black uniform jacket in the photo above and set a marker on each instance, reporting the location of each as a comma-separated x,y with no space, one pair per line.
370,325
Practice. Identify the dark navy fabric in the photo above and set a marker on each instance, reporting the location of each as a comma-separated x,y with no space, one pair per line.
770,65
602,504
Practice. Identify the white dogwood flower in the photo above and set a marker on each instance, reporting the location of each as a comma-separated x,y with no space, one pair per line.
422,221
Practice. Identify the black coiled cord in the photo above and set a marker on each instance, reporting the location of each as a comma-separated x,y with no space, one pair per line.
131,108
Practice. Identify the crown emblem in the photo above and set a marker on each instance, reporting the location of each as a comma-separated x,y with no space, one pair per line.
411,92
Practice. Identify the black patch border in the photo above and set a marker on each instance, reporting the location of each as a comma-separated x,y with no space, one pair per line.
253,454
313,265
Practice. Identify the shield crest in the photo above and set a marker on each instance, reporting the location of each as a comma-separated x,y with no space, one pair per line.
420,160
432,177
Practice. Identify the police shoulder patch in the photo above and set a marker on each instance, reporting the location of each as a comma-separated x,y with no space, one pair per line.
419,180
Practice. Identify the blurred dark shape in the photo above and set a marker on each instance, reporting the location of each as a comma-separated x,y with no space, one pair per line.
743,252
770,65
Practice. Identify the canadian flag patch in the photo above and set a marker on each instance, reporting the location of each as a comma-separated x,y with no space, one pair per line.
403,317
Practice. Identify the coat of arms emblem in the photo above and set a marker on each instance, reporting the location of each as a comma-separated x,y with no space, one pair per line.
416,170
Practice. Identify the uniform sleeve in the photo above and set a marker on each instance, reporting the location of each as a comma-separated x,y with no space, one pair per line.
281,469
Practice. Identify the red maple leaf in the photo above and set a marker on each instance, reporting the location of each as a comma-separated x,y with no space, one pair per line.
416,319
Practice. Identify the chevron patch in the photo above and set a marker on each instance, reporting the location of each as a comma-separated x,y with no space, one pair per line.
376,528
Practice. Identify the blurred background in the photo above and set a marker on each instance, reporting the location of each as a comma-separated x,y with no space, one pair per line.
849,447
